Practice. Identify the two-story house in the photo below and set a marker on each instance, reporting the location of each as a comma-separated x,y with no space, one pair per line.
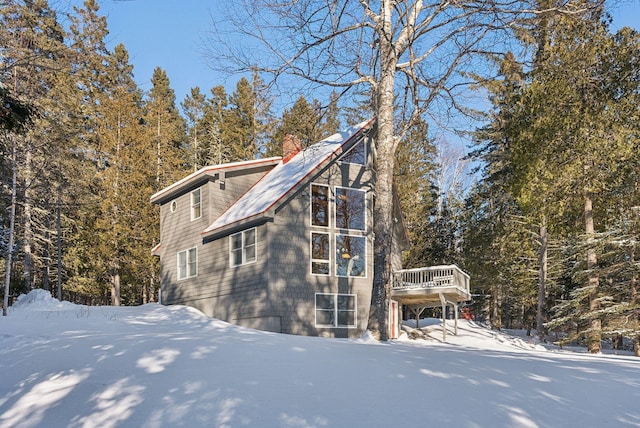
279,244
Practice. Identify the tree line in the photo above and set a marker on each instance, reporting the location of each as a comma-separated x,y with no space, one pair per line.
548,232
84,148
551,229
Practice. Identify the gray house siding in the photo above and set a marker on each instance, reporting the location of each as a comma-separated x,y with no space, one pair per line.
278,291
209,291
292,286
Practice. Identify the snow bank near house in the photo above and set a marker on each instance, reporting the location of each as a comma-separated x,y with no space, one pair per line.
66,365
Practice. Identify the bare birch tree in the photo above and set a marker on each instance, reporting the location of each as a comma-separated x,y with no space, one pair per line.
409,54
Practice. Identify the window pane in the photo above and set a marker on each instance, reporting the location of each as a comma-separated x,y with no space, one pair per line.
236,257
350,255
325,301
182,264
250,237
356,154
319,205
320,268
346,318
193,262
350,209
250,254
346,302
324,317
320,246
195,204
236,241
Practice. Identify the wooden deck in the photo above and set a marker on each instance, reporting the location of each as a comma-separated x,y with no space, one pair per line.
429,287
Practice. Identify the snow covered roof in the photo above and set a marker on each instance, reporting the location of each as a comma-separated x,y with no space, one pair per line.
278,182
204,173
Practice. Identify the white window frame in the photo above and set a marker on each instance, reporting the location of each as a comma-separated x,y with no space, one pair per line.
327,260
243,248
364,207
336,311
196,205
328,205
364,238
364,149
187,272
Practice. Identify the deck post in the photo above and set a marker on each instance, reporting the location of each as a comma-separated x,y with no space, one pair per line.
444,316
455,309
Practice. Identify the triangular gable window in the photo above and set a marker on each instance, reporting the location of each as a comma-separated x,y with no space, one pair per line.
355,155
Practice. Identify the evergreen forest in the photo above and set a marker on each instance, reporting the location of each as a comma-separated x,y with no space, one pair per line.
541,209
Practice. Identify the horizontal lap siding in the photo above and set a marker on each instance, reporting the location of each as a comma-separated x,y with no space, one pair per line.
218,290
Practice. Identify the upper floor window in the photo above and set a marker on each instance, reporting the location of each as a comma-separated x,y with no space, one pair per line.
319,205
196,204
356,154
320,251
351,255
188,263
242,247
350,209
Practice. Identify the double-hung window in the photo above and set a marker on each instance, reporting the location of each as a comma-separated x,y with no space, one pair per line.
242,247
335,310
188,263
196,204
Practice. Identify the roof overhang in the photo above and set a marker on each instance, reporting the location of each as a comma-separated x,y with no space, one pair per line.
208,173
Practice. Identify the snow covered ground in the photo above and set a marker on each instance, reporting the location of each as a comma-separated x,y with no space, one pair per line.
63,365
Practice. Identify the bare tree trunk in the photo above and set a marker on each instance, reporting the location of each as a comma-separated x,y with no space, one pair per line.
115,284
385,146
28,229
496,322
542,278
635,302
594,339
59,243
12,223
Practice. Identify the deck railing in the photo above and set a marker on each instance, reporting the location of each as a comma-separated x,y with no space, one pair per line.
431,277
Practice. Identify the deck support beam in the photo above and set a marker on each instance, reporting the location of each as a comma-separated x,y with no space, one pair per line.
443,302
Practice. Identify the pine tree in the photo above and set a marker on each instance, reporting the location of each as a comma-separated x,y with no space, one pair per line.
194,107
168,127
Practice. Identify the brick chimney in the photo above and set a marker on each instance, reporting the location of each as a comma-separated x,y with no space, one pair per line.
291,145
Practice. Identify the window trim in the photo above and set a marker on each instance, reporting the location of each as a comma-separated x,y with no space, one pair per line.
312,260
335,263
364,208
193,205
336,310
173,206
186,266
328,188
243,248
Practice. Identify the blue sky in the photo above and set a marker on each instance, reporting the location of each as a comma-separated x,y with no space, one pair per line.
169,34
